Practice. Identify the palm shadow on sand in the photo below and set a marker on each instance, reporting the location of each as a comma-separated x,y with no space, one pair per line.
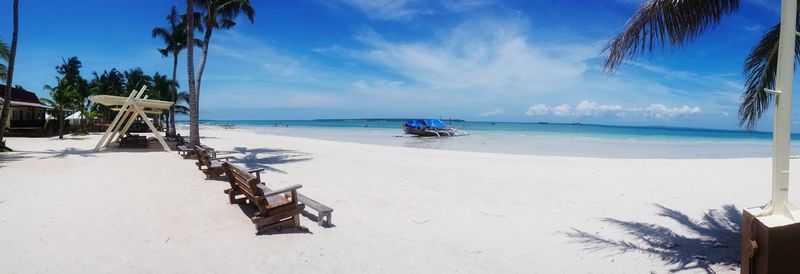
266,158
712,241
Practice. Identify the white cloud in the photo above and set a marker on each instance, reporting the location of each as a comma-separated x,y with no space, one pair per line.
562,110
589,108
662,111
408,9
386,9
540,109
485,55
494,112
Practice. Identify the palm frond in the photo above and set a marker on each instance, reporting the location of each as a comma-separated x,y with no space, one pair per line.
4,52
662,23
760,70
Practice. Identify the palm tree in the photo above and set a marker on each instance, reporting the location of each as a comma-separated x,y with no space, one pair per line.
3,58
219,14
109,83
63,96
70,70
165,90
136,79
662,23
194,127
174,38
12,54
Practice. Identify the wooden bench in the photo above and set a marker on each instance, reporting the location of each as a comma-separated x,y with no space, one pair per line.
211,166
323,211
185,151
275,208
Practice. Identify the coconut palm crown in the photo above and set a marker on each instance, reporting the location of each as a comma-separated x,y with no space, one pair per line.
664,23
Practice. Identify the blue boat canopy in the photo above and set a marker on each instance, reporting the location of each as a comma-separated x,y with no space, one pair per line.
426,123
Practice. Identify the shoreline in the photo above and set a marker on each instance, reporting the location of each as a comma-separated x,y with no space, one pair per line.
551,146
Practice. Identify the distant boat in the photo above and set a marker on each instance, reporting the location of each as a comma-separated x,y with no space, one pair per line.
430,128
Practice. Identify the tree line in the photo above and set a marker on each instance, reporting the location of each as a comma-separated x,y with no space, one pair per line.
71,90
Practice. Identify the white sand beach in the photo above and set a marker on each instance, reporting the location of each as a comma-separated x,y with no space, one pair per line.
65,208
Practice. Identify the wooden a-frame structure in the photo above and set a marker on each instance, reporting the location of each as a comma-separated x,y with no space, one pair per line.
135,105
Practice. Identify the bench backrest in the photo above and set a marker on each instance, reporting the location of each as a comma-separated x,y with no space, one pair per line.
244,181
202,156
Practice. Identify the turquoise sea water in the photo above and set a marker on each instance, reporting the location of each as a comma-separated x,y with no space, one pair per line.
534,138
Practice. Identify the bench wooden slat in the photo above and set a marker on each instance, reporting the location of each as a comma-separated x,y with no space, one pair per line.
323,212
274,210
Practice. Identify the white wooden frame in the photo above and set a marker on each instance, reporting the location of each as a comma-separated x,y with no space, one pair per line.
126,115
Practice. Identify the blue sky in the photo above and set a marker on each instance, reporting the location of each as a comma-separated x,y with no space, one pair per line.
515,60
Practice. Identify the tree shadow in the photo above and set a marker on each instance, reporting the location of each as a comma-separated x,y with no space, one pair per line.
54,153
715,239
253,157
11,157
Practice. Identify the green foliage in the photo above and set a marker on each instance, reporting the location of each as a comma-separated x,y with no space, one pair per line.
4,55
174,36
222,14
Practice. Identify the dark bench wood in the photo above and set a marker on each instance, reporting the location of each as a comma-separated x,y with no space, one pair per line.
323,211
211,166
185,151
275,208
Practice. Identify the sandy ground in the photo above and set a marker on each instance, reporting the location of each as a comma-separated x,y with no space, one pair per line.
65,208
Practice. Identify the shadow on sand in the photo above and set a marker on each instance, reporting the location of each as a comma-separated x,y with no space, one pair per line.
265,158
713,240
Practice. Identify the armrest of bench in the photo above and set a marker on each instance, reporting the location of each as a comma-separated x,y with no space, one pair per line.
282,190
221,158
257,171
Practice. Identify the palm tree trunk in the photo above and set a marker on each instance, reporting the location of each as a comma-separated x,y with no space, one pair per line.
194,127
61,123
202,66
171,118
10,76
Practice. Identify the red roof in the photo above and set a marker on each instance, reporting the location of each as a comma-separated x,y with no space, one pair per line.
20,95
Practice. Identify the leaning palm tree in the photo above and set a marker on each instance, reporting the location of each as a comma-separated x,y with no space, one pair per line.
219,14
194,127
63,97
662,23
12,54
174,38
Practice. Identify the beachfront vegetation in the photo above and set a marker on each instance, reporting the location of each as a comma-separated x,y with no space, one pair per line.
3,59
71,77
72,91
9,77
658,24
174,37
64,97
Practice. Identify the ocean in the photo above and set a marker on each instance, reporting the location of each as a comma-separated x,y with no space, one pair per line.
550,139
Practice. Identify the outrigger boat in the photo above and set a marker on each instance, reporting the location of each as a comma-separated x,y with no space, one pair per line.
430,128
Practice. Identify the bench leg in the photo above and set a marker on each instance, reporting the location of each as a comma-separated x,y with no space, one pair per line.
296,220
231,196
320,219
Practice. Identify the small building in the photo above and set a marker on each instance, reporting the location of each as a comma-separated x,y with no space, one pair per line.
27,113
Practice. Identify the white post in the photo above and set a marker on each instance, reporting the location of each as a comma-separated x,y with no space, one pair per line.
779,205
